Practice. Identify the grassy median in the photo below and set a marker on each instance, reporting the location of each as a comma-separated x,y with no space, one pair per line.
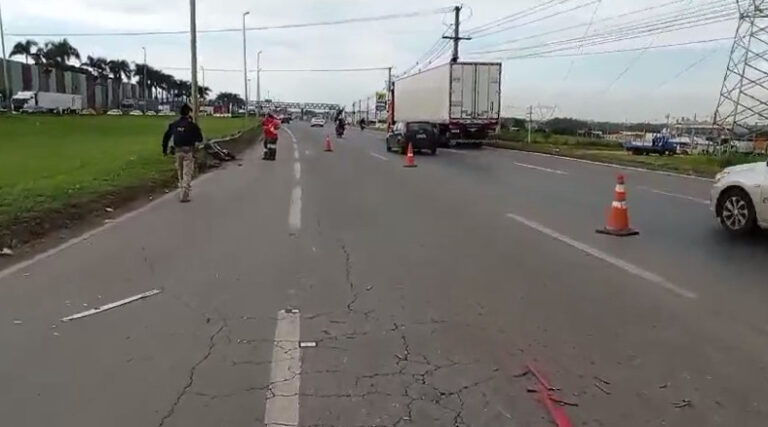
611,152
49,164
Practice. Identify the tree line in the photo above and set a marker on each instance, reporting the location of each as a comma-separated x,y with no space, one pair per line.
63,55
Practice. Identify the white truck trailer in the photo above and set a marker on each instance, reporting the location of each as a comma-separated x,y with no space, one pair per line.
46,102
463,100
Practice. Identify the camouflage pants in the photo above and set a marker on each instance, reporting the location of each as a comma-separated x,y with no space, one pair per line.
185,166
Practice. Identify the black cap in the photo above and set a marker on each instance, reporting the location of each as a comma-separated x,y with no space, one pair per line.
185,110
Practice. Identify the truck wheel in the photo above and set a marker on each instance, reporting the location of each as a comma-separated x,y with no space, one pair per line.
736,211
433,151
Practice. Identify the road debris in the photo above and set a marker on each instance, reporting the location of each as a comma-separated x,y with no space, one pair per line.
545,394
17,322
369,288
602,380
6,252
601,388
307,344
663,386
110,210
56,334
683,403
292,310
563,402
111,305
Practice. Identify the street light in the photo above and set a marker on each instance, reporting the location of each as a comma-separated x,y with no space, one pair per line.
193,48
258,76
245,67
145,78
6,86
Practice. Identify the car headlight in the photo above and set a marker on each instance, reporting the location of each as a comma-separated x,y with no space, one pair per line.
721,175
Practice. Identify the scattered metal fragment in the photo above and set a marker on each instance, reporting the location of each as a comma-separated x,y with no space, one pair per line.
601,388
111,305
563,402
292,310
17,322
683,403
521,373
26,274
532,390
663,386
369,288
109,210
602,380
56,334
307,344
6,252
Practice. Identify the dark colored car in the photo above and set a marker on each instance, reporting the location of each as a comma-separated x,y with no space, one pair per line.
421,135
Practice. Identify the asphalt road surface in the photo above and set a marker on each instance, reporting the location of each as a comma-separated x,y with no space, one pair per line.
341,289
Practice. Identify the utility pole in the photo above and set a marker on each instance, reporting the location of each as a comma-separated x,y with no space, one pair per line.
144,81
390,100
530,122
456,34
258,77
193,47
6,85
742,108
202,70
367,109
245,68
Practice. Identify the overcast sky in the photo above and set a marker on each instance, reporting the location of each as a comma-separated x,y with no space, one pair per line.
633,86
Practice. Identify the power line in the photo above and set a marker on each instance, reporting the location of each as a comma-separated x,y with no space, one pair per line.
626,32
610,18
392,16
689,67
543,18
629,66
586,32
284,70
513,16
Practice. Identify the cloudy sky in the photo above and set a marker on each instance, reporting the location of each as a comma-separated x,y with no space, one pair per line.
637,85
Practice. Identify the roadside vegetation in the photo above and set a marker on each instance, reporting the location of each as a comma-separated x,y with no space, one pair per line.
50,165
602,150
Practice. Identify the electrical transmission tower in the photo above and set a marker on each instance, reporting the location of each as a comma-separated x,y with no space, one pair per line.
742,110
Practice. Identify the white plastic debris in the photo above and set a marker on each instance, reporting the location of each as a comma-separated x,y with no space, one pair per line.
109,210
308,344
6,252
17,322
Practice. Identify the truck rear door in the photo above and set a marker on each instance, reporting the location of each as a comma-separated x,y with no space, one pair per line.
462,91
487,90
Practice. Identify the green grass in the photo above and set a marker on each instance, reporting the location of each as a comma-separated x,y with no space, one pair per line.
48,162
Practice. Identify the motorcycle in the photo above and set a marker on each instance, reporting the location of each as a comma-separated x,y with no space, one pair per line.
339,131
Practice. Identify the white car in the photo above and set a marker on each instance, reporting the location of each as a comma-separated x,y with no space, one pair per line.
165,113
114,113
740,197
136,113
150,113
317,122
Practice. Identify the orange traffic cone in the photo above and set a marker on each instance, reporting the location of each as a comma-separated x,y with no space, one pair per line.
617,223
328,143
409,163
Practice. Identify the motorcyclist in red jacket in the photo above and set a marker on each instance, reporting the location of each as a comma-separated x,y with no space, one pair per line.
270,126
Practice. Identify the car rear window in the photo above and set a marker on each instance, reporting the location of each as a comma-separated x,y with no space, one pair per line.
416,127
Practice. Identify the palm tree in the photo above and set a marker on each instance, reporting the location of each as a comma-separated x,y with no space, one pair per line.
203,91
57,54
96,64
28,48
229,98
119,68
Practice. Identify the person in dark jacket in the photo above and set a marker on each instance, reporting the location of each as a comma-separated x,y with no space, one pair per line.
185,134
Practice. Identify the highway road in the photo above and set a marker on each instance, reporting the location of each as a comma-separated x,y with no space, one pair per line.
341,289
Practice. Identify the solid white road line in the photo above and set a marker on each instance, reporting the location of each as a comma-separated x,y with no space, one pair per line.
628,267
282,407
293,137
294,212
111,305
307,152
378,156
297,170
295,152
679,196
559,172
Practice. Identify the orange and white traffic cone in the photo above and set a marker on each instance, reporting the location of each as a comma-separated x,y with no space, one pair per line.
328,146
617,223
409,163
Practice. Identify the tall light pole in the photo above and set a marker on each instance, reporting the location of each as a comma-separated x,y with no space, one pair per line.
7,87
193,46
145,78
258,77
245,67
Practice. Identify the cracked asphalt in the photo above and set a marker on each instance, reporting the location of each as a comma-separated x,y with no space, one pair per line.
425,300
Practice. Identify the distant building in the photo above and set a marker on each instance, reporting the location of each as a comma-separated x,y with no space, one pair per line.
99,94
